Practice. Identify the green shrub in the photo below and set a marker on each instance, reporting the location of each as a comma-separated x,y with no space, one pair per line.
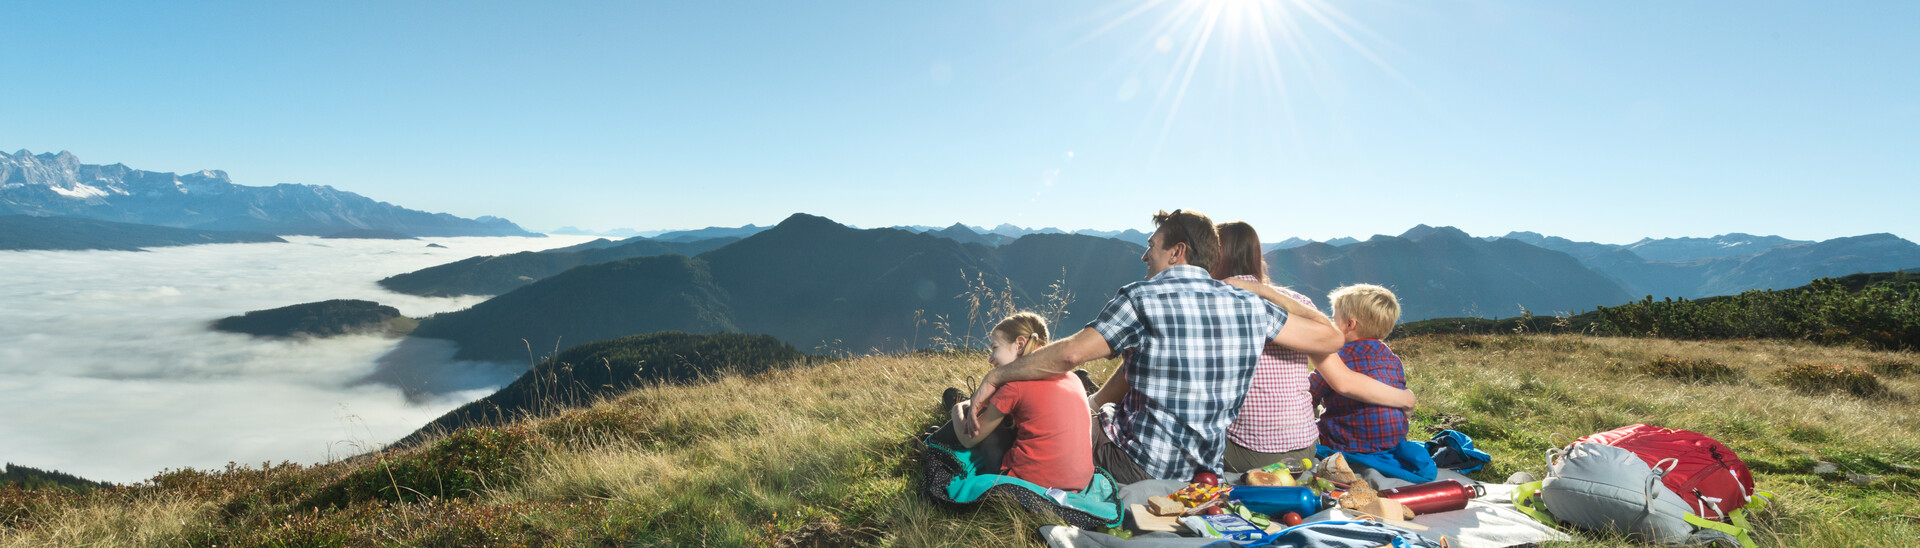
1892,368
1688,370
458,466
19,505
1871,310
1819,378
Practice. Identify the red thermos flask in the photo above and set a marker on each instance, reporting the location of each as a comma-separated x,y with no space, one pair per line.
1434,496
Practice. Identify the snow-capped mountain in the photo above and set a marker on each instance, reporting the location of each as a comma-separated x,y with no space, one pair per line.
58,185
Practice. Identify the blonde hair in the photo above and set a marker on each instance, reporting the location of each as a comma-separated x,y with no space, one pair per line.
1024,324
1374,307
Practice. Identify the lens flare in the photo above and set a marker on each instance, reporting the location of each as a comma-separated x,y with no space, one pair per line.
1232,37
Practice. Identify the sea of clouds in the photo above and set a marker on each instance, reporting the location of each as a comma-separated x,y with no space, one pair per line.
108,369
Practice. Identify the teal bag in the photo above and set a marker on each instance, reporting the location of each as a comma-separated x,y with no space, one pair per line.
950,478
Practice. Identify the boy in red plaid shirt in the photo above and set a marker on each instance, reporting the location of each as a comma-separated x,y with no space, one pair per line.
1364,313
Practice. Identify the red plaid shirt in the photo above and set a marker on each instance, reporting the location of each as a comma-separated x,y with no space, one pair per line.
1277,415
1353,427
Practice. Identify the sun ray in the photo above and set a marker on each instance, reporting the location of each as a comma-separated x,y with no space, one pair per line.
1308,7
1192,62
1231,51
1115,23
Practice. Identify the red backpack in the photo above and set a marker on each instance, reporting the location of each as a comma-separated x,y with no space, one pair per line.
1705,473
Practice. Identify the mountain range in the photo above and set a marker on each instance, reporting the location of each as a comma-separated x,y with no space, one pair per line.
21,232
1731,263
821,285
58,185
493,275
1440,272
808,281
1007,232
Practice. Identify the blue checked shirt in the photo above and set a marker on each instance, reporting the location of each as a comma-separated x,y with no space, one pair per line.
1196,342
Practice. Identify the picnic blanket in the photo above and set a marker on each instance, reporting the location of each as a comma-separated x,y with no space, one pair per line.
1326,534
1489,521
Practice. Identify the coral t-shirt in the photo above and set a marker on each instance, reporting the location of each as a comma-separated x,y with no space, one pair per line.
1052,428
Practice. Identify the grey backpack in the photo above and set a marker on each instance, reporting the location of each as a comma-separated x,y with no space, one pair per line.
1601,487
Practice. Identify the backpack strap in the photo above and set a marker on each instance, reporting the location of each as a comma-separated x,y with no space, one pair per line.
1739,527
1659,471
1746,541
1526,500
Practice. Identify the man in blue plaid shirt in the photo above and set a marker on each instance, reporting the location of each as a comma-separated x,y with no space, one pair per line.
1192,342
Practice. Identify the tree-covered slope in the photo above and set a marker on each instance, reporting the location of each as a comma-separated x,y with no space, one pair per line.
587,372
33,478
811,281
1878,310
321,319
22,232
588,303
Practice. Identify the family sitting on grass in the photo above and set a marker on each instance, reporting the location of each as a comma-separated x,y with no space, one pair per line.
1221,371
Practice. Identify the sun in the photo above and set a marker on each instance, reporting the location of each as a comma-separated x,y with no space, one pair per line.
1251,40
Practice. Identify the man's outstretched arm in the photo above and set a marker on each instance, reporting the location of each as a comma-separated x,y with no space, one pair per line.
1053,359
1315,336
1359,386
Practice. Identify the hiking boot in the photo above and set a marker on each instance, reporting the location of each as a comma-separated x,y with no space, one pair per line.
1086,381
950,397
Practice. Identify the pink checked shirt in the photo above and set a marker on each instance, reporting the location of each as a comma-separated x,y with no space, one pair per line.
1277,415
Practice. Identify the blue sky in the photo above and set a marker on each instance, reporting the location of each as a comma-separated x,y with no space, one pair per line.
1604,121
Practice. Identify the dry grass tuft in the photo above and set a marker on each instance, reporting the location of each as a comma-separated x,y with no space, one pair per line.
1820,378
1892,368
1688,370
149,520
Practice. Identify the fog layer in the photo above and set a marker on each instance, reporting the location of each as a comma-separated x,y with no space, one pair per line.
109,371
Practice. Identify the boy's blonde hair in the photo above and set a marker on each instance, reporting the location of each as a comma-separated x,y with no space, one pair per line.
1024,324
1374,307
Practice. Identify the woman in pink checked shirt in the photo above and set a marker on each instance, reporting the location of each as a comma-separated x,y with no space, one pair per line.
1276,420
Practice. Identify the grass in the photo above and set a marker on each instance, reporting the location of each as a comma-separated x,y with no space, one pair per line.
1817,379
1698,370
823,456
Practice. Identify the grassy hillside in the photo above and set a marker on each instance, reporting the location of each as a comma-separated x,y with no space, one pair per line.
589,372
823,454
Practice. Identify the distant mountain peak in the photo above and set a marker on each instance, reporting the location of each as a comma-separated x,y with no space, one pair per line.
1875,237
1421,232
803,220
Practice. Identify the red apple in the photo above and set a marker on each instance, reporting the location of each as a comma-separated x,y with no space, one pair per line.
1290,519
1204,477
1215,510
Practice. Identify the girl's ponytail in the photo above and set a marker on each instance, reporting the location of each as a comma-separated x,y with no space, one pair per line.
1024,324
